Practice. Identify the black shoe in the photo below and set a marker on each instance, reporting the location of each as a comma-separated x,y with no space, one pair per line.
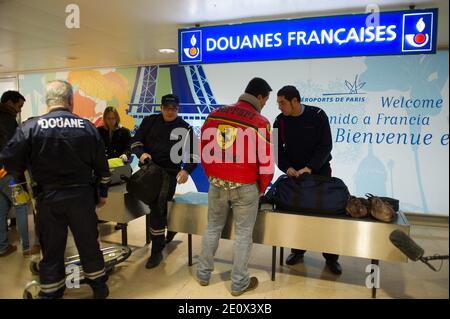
54,295
334,267
101,292
45,296
170,236
154,260
294,258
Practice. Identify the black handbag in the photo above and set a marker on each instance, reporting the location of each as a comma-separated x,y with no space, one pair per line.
146,183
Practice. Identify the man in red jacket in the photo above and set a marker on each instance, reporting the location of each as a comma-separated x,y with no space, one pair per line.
238,159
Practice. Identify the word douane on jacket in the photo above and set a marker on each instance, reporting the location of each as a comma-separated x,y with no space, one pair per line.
61,122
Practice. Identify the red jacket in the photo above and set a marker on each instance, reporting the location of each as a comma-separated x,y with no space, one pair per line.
236,144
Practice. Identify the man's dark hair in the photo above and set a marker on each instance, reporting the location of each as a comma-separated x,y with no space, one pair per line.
289,92
12,96
258,86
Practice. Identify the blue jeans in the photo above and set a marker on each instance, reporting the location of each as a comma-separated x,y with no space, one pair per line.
21,217
244,202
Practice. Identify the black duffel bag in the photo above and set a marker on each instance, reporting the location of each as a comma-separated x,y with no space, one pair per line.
309,194
147,183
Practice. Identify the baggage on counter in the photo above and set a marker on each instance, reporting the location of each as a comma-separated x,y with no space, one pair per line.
381,208
309,194
147,183
120,174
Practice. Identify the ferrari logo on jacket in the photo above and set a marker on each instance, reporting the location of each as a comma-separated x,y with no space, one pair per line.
226,136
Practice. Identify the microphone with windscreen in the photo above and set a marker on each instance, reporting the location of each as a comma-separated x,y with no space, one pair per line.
406,245
410,249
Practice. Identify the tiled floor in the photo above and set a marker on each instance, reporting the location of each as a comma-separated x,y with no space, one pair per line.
174,279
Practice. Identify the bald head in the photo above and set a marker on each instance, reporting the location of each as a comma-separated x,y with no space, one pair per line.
59,94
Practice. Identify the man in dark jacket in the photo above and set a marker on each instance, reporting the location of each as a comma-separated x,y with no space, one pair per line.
304,147
66,157
11,104
156,139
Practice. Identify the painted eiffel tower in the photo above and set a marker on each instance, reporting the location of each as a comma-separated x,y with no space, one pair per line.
189,83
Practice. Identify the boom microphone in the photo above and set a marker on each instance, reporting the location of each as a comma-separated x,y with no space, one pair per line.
413,251
406,245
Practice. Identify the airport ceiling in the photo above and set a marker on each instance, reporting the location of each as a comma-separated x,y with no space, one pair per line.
34,37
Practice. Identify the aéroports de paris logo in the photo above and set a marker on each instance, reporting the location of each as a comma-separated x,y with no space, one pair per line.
417,32
191,46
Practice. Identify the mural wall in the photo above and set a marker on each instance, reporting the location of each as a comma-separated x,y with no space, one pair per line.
389,115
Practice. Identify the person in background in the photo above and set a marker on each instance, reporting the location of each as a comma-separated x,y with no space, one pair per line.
117,139
11,104
304,147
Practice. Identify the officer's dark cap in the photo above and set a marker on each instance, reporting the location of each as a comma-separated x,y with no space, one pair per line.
170,100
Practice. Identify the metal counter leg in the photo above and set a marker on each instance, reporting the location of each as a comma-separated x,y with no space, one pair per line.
281,256
274,261
374,288
190,250
124,234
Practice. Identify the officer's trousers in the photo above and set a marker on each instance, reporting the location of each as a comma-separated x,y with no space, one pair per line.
158,215
56,211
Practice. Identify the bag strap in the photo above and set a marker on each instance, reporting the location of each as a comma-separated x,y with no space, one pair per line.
320,181
295,196
320,193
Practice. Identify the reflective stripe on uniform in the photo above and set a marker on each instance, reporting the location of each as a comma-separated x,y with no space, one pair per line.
49,288
137,144
105,180
157,232
95,275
